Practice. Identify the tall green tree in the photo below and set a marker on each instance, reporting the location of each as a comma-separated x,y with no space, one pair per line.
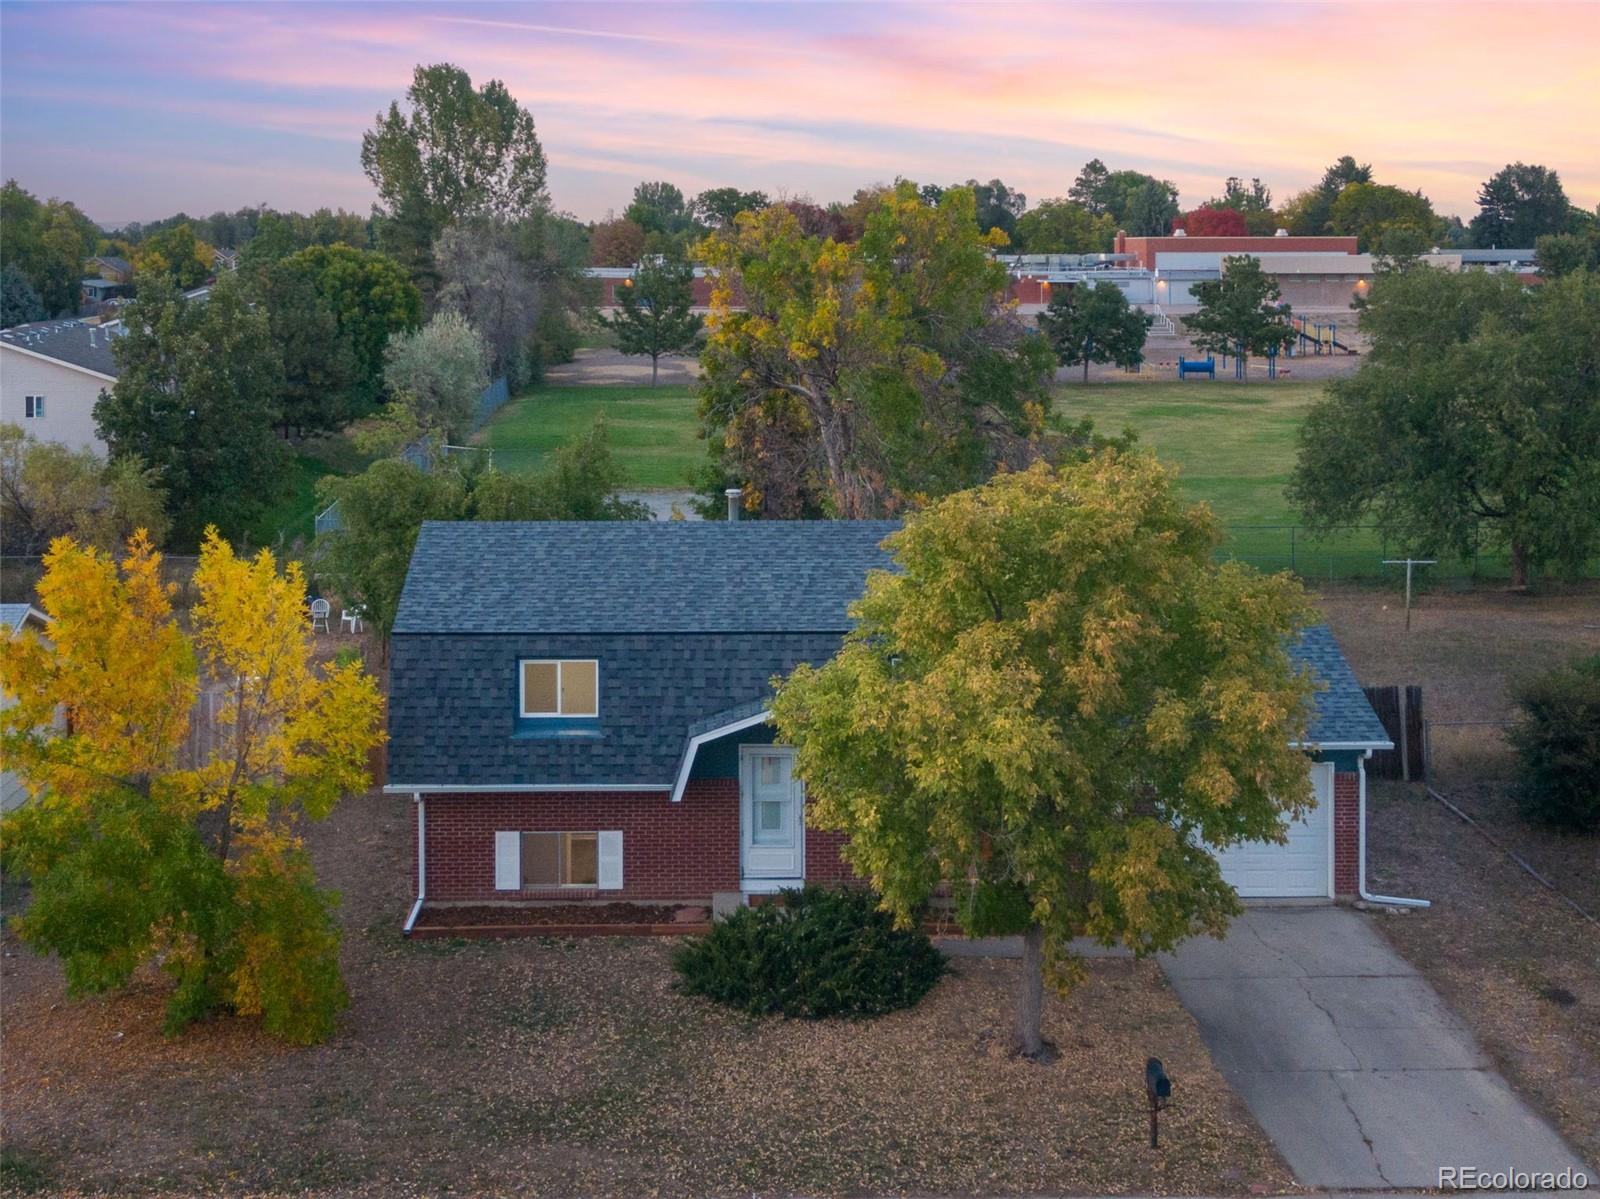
199,383
1092,188
19,303
996,206
1562,253
371,300
654,314
1059,706
1147,206
1139,204
1375,213
322,385
716,207
1517,205
1094,324
47,243
1239,313
849,377
1473,423
455,152
1064,227
381,512
1310,213
659,207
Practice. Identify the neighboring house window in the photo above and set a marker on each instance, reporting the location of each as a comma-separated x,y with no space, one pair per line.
560,859
32,407
560,688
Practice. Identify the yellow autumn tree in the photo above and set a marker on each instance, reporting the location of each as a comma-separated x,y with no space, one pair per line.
138,846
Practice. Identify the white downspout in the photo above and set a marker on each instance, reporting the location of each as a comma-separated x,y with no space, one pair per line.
1389,901
422,862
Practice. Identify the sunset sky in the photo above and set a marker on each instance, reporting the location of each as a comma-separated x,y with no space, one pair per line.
137,110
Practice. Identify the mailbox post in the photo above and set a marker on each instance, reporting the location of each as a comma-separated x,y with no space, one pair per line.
1158,1089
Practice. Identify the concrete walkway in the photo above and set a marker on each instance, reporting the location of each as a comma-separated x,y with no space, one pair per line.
1348,1058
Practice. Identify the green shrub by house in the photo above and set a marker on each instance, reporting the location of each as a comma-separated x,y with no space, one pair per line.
819,952
1557,737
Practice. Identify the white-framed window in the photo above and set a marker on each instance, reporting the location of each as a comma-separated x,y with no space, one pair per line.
32,407
560,859
525,861
559,687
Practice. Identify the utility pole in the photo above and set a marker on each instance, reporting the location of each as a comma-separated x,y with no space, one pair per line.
1408,563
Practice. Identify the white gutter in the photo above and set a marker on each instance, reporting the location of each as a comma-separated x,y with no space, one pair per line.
422,863
711,735
1389,901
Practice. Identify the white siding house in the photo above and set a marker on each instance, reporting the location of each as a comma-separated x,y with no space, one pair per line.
51,374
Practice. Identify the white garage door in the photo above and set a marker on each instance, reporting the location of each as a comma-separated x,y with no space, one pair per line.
1302,866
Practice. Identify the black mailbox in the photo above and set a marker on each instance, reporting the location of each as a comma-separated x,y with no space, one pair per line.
1158,1089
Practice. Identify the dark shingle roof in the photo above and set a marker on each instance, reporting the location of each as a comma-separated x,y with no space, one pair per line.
638,576
1344,717
690,621
69,341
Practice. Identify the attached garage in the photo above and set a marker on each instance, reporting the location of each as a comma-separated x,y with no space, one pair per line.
1302,866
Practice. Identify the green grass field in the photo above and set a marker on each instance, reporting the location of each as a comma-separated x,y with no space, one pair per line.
654,432
293,515
1234,444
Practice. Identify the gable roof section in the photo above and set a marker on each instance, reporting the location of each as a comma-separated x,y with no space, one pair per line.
1344,718
741,576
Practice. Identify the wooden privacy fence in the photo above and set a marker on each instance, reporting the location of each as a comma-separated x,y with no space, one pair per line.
1400,710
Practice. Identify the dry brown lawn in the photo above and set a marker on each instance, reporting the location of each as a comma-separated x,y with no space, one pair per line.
1521,967
574,1068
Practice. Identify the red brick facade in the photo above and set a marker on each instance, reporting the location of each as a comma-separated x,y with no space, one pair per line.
1145,249
1346,834
683,851
670,851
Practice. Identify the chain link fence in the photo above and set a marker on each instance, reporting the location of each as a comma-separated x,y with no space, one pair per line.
1352,552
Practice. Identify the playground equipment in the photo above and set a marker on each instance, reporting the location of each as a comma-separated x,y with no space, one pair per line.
1198,366
1315,337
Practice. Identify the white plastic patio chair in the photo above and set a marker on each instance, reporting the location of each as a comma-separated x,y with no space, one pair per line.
350,618
321,609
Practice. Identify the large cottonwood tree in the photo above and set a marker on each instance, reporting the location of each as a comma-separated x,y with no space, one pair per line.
846,377
1472,426
1059,705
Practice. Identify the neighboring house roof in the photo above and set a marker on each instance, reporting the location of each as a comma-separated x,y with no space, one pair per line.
112,262
72,343
690,621
15,617
638,576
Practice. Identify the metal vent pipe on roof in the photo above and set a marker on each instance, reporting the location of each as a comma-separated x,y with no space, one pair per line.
735,501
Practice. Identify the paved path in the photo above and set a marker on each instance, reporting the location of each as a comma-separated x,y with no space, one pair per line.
1348,1058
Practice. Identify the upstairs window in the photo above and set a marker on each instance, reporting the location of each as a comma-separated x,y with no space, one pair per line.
560,688
32,407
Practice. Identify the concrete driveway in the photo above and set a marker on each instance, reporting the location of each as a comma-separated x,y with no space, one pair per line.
1348,1058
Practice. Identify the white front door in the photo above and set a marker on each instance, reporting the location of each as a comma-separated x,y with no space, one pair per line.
772,815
